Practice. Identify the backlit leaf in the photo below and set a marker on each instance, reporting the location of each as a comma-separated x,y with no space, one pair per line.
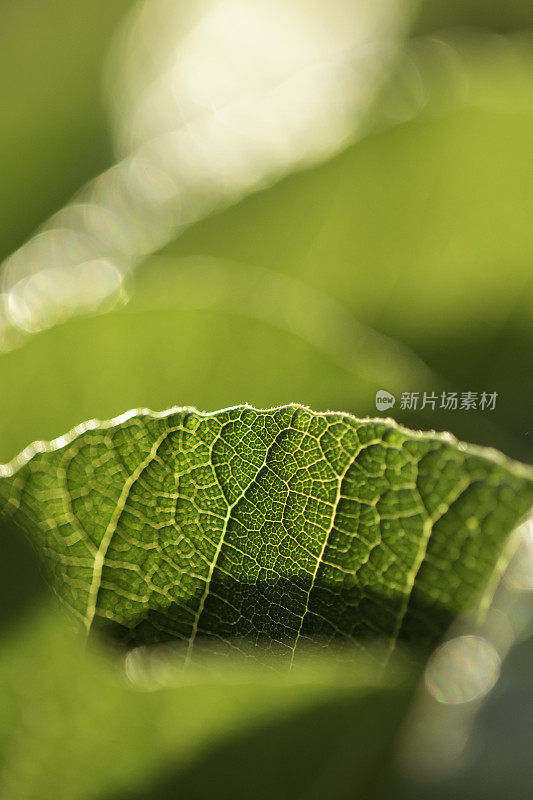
283,527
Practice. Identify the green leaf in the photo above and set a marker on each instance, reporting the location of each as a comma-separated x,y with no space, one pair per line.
283,527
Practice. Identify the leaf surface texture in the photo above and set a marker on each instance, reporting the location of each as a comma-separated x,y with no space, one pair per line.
283,527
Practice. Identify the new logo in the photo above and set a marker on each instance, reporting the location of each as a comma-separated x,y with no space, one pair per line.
384,400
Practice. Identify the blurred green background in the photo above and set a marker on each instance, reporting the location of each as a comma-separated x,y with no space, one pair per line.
397,257
418,231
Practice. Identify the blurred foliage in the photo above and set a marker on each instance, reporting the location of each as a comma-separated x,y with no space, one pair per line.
53,135
403,263
420,232
23,586
435,15
72,727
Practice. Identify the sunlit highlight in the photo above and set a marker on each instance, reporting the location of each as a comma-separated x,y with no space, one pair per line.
519,575
209,101
463,669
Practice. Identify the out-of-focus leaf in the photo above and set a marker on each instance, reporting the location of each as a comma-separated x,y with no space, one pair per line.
281,527
420,232
23,585
417,219
436,15
71,727
53,135
194,85
312,754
